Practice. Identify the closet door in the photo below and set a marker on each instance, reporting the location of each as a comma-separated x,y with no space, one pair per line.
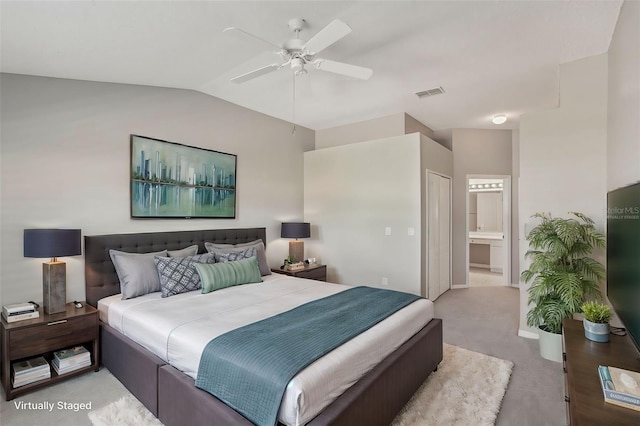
438,235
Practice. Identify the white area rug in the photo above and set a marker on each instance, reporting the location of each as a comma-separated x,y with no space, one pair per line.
127,411
466,390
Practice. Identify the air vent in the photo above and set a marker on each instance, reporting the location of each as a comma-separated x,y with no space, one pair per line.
430,92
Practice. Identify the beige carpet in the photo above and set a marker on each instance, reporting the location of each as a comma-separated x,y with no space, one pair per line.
466,390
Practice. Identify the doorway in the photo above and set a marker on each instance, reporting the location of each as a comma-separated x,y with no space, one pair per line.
488,231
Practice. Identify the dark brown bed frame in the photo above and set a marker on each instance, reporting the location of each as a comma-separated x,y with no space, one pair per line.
172,396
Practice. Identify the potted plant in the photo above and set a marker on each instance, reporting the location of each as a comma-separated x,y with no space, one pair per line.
561,273
596,321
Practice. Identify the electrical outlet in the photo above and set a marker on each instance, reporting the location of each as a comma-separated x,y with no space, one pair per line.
387,230
385,281
411,232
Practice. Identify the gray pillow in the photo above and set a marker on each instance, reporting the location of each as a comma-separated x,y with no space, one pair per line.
262,256
178,274
187,251
137,272
231,255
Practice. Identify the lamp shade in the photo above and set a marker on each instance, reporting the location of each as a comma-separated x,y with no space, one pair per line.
295,230
52,242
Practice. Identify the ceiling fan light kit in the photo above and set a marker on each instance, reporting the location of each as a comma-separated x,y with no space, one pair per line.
296,54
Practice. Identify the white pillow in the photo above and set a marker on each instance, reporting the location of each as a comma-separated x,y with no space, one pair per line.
137,272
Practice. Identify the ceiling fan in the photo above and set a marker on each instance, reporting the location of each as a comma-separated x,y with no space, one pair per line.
296,54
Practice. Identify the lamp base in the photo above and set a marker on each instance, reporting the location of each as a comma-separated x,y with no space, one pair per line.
296,250
54,287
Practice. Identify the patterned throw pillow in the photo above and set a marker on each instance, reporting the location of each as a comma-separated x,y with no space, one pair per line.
258,244
178,274
236,254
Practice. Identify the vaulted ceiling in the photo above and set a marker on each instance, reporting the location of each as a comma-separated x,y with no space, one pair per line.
490,57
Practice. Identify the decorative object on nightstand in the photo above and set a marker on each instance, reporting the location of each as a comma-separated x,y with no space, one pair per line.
312,272
53,243
296,230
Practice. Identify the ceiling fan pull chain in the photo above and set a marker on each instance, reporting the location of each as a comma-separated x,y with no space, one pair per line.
293,131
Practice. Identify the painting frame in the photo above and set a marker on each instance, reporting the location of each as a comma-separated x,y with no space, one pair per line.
169,180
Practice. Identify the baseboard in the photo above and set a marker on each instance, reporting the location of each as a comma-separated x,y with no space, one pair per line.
528,334
479,265
458,286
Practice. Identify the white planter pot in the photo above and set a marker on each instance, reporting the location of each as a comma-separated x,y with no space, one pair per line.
550,345
596,331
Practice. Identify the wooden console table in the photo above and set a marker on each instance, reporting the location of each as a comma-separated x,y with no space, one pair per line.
583,393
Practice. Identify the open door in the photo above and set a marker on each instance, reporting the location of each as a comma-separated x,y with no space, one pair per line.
438,235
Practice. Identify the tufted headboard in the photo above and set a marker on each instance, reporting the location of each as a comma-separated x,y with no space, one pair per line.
101,279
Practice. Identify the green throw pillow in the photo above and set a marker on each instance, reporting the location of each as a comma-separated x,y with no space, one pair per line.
221,275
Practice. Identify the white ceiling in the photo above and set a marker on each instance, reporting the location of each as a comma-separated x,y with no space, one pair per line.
490,57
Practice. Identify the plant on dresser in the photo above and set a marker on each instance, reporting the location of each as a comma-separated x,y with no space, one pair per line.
596,321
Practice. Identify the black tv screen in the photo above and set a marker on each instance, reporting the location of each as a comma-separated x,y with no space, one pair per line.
623,257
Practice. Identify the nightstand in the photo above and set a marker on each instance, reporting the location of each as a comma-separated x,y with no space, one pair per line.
44,335
312,272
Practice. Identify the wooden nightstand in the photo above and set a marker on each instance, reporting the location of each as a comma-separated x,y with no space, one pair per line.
313,272
43,335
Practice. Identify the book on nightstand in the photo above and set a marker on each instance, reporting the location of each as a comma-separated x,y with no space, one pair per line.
70,359
620,387
19,312
29,371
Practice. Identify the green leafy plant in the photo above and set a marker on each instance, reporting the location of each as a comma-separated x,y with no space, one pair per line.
290,260
561,273
596,312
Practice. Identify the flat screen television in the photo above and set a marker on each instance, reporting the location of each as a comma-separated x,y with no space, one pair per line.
623,257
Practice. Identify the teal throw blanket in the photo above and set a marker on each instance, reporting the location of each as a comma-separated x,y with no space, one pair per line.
249,368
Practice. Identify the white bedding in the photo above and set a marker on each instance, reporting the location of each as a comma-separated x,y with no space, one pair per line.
178,328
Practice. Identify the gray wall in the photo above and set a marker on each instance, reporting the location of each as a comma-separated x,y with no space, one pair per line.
65,163
475,152
354,191
623,118
563,164
383,127
377,128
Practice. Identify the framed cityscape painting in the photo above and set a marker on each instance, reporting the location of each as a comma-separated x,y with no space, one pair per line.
171,180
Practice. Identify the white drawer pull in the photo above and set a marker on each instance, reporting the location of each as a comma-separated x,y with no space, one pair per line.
57,322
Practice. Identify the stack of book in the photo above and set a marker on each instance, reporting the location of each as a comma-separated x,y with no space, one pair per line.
620,387
295,266
67,360
29,371
19,311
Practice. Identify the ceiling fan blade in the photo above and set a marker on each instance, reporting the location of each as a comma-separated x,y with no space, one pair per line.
255,73
344,69
243,35
327,36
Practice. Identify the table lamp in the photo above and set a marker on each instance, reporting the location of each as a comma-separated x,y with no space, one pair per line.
296,230
53,243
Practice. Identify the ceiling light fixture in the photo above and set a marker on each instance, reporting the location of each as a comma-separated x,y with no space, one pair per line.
499,119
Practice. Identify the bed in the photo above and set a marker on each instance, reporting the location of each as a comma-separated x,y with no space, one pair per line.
169,392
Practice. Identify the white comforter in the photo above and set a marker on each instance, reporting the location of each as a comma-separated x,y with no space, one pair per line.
178,328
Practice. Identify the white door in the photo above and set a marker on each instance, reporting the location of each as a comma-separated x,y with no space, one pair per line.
438,235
